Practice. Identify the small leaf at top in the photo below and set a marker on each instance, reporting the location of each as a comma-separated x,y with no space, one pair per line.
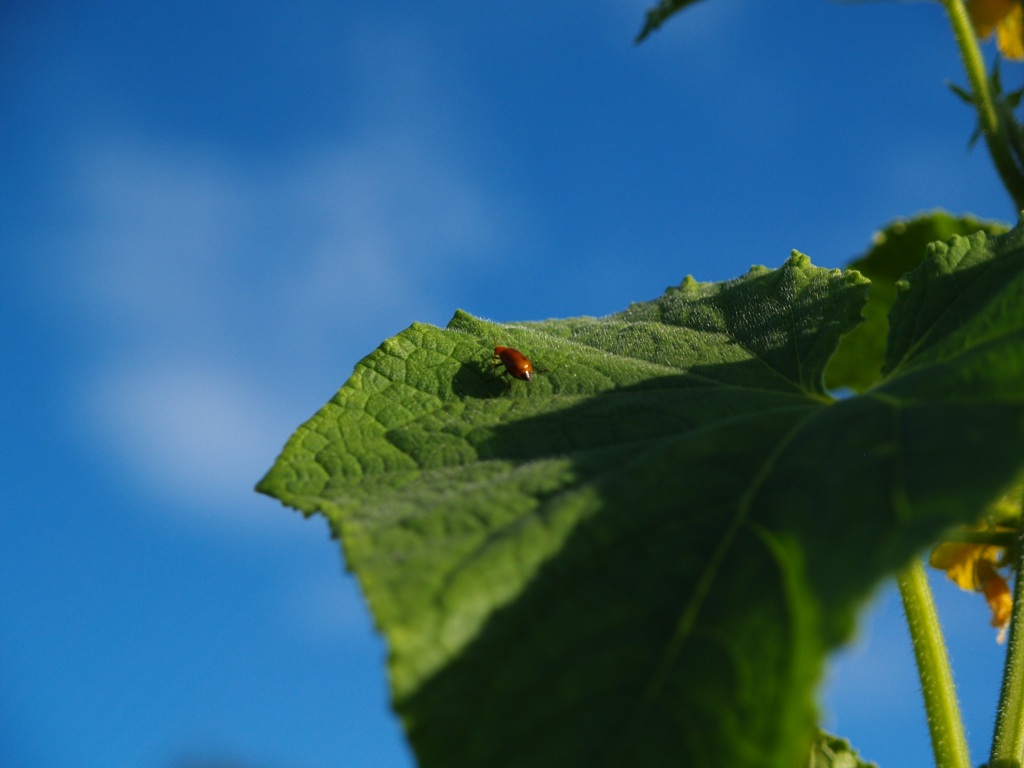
972,308
657,15
897,249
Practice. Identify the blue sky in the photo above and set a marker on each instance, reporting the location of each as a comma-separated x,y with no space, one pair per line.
211,211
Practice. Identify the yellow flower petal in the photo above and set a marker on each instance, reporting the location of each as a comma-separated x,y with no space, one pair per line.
958,560
1010,33
997,593
973,568
986,14
1005,18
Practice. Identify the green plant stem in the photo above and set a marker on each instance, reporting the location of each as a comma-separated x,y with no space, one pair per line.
1008,742
992,127
944,724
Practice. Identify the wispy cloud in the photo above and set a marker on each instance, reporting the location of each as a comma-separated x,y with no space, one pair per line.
393,218
200,279
199,436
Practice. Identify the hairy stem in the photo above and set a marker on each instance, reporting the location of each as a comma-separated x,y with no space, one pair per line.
1008,742
944,724
995,131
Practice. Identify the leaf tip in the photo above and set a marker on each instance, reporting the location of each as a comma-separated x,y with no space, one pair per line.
269,485
462,321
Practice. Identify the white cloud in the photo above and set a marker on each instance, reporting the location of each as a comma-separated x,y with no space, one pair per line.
174,235
392,217
199,281
200,437
157,224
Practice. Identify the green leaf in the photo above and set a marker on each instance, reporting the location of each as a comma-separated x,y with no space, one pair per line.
657,15
896,250
643,556
830,751
970,312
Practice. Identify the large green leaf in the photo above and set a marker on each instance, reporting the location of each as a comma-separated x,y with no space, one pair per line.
643,556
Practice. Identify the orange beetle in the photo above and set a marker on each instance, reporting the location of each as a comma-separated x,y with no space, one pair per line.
517,365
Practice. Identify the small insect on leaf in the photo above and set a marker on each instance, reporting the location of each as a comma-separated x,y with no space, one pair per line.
517,365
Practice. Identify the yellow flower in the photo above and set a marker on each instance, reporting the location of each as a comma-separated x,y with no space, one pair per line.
1005,18
973,567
